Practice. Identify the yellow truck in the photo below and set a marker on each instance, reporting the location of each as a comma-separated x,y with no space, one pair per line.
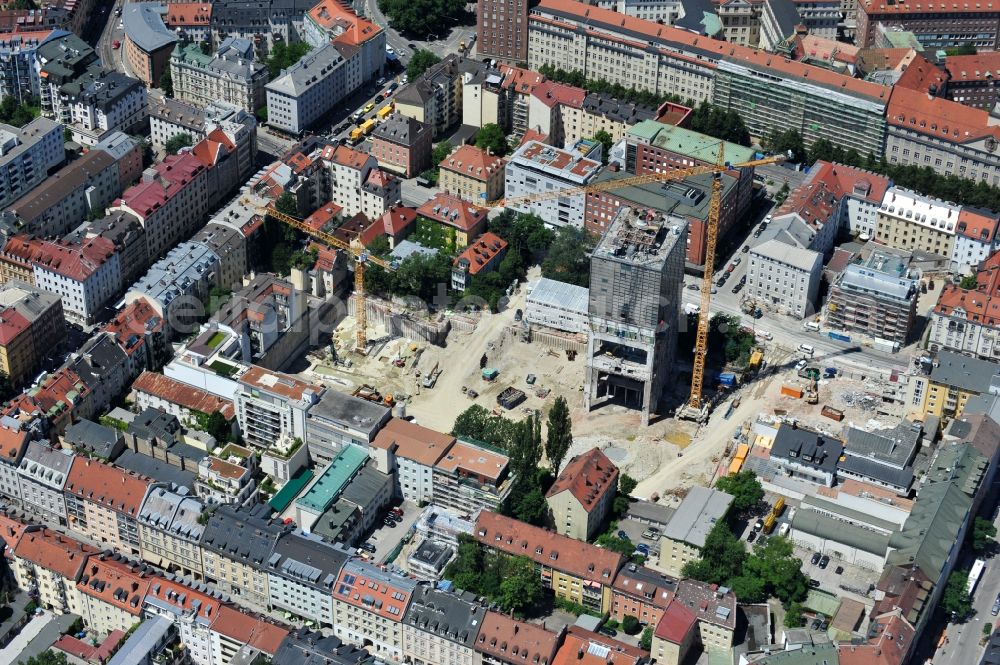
367,126
769,523
779,506
356,135
385,111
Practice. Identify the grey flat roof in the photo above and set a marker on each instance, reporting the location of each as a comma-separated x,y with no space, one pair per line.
823,526
807,448
242,534
547,291
882,472
88,434
146,640
155,469
456,617
697,514
340,408
144,27
650,512
972,374
305,647
307,72
858,278
308,560
365,486
792,255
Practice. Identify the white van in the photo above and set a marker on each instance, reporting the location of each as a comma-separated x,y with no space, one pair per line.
811,325
783,529
806,349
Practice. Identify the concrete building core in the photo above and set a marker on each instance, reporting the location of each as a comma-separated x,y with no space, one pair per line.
636,277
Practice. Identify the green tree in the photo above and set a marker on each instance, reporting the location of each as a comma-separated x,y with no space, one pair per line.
793,616
788,141
261,114
748,588
611,542
968,283
178,141
631,625
646,641
422,18
606,141
286,204
626,484
746,490
284,55
568,259
67,134
219,427
722,557
441,151
559,434
776,565
49,657
782,194
18,115
478,423
492,138
167,83
531,507
420,62
521,587
983,535
956,600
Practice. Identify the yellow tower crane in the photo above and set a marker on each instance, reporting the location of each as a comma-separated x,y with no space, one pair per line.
361,258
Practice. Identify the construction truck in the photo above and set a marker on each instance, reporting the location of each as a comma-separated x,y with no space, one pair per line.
432,376
769,523
357,135
367,126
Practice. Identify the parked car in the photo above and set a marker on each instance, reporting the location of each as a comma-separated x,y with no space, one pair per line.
839,570
369,107
397,511
995,610
799,366
368,547
815,558
388,522
652,533
610,632
758,525
746,248
731,267
743,280
116,44
824,562
692,287
738,260
622,535
752,536
643,549
814,584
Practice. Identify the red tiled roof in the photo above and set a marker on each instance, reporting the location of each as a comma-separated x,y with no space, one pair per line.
588,478
533,135
183,395
414,442
983,66
467,460
811,46
897,8
132,323
547,548
551,93
981,304
183,597
370,588
473,162
73,261
285,385
482,252
107,486
453,211
174,173
11,531
249,630
641,586
100,653
12,325
188,13
54,551
557,158
647,31
978,225
332,14
117,583
323,216
326,257
522,81
514,641
299,162
55,398
398,218
675,624
12,442
345,156
890,644
940,118
827,183
579,641
923,75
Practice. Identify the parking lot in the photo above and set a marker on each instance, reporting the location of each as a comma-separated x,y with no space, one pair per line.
385,538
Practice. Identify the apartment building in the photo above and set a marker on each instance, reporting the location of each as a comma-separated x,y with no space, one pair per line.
338,419
582,495
910,221
943,388
328,485
231,75
502,30
64,200
99,104
552,106
962,320
785,277
535,168
226,476
19,71
49,564
42,476
473,174
330,21
170,201
103,502
441,626
233,632
409,452
271,408
971,79
369,604
148,42
402,144
572,569
553,304
436,97
170,529
876,297
502,636
27,155
182,278
190,610
975,239
483,256
685,533
110,594
740,22
13,445
309,89
470,478
466,220
602,113
838,196
948,137
31,326
643,593
236,545
301,575
935,26
806,454
54,402
349,171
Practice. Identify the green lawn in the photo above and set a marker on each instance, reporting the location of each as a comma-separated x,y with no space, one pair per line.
216,339
223,369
